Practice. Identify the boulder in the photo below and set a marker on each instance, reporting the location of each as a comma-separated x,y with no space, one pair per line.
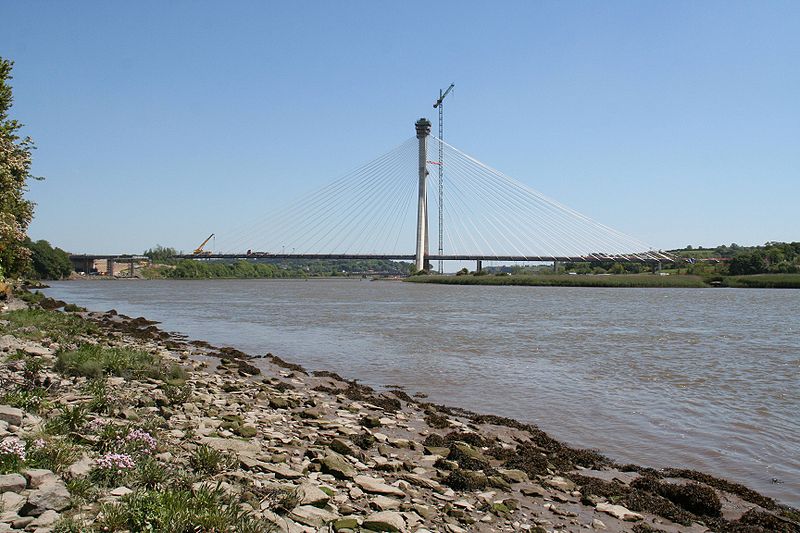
384,521
312,516
384,503
39,476
377,486
619,512
53,496
310,494
12,483
81,468
338,466
46,519
12,415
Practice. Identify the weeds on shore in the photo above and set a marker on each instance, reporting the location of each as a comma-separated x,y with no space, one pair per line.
94,362
207,460
208,508
37,324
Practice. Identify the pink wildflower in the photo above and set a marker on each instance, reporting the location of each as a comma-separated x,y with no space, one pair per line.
13,446
117,461
38,444
144,438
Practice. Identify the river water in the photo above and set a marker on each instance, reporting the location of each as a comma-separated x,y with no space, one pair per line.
703,378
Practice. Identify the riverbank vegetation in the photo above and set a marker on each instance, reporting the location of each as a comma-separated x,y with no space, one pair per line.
166,267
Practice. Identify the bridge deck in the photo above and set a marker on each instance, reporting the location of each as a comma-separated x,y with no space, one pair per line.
598,258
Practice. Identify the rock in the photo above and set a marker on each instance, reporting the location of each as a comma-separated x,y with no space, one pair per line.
384,503
384,521
232,445
53,496
598,524
12,483
345,523
10,504
312,516
46,519
80,468
278,403
39,476
512,475
310,494
420,481
619,512
534,490
22,522
282,471
371,422
120,492
335,464
343,447
247,432
560,483
12,415
377,486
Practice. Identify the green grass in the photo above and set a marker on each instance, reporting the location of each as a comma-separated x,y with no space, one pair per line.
764,281
37,324
619,280
178,511
94,361
207,460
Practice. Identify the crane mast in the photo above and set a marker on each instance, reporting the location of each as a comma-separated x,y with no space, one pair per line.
440,105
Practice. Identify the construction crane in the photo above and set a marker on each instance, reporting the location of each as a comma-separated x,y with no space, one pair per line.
440,105
199,249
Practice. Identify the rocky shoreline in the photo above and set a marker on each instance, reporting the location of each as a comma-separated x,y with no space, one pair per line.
108,423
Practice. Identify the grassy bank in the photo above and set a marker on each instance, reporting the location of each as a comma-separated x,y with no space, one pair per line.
764,281
757,281
622,280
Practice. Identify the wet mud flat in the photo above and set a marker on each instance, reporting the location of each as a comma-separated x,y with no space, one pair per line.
356,459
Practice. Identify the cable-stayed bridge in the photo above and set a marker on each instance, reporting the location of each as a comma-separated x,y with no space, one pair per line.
381,211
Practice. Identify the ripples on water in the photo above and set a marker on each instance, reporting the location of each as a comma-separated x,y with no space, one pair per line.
703,378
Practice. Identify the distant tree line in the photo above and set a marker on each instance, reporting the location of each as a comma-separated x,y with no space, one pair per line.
47,262
192,269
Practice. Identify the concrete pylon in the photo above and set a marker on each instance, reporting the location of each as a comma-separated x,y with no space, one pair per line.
423,126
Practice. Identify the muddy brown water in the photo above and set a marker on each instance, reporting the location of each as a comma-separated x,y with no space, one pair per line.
702,378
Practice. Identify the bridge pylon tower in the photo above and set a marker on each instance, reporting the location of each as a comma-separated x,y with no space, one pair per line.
423,127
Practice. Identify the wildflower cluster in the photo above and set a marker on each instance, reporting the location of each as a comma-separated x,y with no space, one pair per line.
98,424
13,447
115,461
141,441
39,444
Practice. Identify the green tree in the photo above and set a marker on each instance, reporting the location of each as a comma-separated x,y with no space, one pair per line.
747,263
161,254
48,262
15,169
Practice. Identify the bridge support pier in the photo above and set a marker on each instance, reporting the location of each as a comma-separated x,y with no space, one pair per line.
555,267
479,266
423,127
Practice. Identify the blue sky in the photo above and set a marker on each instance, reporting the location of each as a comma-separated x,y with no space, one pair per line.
161,122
